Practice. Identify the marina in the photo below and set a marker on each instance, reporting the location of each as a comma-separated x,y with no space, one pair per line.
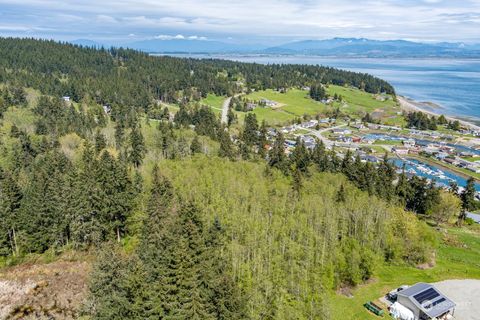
430,172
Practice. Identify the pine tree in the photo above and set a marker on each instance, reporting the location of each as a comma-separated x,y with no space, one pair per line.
10,199
193,295
137,145
341,194
226,146
117,286
119,133
100,141
297,182
319,156
116,194
276,156
300,156
195,146
43,222
468,199
158,239
86,225
262,140
250,130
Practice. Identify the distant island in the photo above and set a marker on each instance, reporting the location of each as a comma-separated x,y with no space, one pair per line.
340,47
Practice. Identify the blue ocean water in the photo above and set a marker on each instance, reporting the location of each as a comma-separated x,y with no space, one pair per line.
452,84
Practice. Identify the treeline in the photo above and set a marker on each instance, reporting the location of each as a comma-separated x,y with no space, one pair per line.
423,121
131,78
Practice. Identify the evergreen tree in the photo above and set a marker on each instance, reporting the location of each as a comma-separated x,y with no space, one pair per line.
262,140
100,141
226,146
300,156
276,156
41,207
137,145
117,286
250,130
341,196
86,225
468,199
195,146
10,199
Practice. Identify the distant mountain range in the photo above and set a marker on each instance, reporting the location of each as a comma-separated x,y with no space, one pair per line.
347,47
375,48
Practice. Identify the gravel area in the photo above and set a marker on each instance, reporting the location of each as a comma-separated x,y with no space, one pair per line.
466,294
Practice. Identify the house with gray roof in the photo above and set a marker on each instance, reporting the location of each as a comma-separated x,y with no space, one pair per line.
426,302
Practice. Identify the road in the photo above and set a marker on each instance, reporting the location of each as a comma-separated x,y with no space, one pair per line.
329,143
225,106
318,133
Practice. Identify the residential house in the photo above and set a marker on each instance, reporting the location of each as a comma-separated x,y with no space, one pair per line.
426,302
342,131
400,150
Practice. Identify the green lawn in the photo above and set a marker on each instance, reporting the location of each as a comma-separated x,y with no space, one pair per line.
388,142
214,101
473,159
457,258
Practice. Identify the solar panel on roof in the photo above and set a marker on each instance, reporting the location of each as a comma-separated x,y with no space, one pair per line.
438,302
426,295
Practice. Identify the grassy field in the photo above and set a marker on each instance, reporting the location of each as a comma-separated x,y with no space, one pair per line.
296,103
214,101
293,104
457,258
358,102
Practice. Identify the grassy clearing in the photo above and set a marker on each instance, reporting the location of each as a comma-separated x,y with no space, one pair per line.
457,258
358,103
214,101
294,103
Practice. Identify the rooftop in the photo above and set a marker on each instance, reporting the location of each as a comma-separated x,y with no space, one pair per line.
428,299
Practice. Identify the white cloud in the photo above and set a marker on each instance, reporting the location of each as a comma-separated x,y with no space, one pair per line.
179,37
421,19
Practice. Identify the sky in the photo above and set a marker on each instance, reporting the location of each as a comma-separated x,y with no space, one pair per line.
241,21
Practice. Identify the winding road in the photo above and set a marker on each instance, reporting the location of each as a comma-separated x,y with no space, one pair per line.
226,105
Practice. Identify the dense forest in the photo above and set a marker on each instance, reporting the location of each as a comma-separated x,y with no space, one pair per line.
131,78
186,221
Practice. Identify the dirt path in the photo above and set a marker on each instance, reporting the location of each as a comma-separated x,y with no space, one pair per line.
226,105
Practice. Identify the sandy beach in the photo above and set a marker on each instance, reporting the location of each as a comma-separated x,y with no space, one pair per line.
411,105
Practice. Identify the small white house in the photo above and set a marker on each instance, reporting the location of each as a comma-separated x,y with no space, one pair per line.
66,98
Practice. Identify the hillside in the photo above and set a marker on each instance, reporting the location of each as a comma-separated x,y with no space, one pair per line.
157,209
127,77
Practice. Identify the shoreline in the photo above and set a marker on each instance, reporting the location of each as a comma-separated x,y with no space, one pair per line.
410,105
